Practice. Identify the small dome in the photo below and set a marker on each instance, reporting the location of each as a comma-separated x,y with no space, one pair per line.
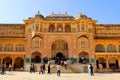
79,16
38,15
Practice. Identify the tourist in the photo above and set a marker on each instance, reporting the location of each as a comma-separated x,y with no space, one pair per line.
45,60
113,68
62,62
58,69
3,68
91,70
82,59
31,67
48,62
41,69
48,68
65,64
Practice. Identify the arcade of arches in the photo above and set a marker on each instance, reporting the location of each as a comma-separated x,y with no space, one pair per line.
107,63
17,62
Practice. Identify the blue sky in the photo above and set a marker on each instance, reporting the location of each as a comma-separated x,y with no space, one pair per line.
105,11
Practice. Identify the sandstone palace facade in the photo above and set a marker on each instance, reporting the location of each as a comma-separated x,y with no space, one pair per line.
59,35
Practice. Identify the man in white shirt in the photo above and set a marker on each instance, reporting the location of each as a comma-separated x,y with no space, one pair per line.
65,64
58,70
89,69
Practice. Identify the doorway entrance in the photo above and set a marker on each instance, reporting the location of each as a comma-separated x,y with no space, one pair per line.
59,55
7,61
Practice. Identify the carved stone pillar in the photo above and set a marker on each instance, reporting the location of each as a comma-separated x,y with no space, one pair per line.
1,61
71,26
55,27
13,61
107,63
63,27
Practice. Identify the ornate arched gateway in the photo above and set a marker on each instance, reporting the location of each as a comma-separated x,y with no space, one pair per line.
59,49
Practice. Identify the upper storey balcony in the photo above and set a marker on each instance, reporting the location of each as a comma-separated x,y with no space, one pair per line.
59,23
107,31
12,31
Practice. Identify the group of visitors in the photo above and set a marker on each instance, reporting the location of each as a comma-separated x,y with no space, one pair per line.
4,68
62,61
42,68
83,60
32,68
90,70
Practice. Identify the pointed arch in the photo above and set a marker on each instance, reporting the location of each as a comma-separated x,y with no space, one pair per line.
52,28
99,48
36,57
111,48
83,42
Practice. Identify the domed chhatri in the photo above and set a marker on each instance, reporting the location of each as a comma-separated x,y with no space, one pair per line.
81,16
38,15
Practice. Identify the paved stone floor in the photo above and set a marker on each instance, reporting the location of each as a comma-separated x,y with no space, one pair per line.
65,76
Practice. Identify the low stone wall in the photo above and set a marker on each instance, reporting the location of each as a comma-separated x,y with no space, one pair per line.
79,67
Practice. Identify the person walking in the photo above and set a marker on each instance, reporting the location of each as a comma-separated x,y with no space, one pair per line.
65,64
31,67
41,69
113,68
91,70
58,69
48,68
3,68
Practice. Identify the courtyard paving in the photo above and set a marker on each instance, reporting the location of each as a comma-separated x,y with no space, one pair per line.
64,76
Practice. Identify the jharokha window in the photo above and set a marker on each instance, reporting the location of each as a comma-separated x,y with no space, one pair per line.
83,42
83,27
0,47
19,48
36,42
37,28
8,47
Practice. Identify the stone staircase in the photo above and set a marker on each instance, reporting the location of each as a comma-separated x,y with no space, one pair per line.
63,70
71,68
79,68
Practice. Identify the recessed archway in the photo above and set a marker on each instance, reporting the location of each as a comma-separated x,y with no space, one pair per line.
83,57
101,63
19,62
36,57
59,55
113,62
7,61
59,46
